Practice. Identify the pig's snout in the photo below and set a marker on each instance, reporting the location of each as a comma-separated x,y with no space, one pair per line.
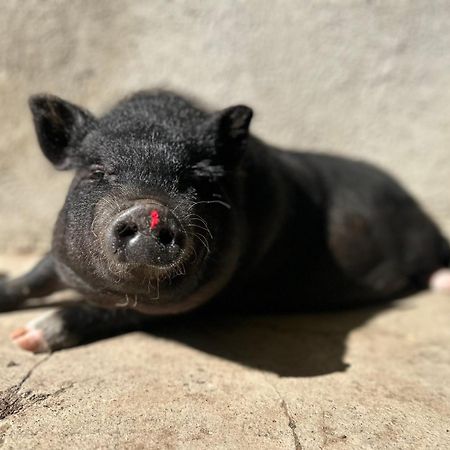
147,233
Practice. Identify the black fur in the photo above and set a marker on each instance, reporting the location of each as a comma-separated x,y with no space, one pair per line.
268,230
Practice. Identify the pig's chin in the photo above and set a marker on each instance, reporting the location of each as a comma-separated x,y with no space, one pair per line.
170,295
147,278
153,289
176,290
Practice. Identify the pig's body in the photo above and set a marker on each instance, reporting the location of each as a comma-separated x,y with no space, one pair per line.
174,209
328,232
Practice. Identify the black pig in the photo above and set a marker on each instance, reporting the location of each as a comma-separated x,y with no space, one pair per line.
173,208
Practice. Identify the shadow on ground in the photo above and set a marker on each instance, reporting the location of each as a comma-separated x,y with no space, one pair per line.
294,345
300,345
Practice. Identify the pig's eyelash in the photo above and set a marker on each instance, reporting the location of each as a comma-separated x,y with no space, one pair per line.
97,172
97,175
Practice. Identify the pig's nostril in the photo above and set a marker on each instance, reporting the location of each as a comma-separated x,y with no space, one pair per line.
126,230
166,236
135,238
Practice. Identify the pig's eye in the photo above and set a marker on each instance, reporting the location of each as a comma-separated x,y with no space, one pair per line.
97,174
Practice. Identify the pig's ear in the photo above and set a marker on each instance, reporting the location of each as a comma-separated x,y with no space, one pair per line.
60,127
231,128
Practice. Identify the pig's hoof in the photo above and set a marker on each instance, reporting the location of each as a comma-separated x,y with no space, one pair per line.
44,334
440,281
30,339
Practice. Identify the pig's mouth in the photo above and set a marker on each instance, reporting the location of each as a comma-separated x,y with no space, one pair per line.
158,289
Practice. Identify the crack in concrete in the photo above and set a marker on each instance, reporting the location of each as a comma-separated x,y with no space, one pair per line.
11,401
291,422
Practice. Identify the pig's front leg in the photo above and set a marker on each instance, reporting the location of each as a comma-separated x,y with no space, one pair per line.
42,280
72,325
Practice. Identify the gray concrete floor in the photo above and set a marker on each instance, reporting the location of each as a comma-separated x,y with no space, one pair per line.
372,379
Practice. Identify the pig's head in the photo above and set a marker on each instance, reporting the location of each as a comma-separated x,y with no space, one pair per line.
151,217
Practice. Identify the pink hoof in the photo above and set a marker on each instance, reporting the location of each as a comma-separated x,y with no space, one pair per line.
30,339
440,281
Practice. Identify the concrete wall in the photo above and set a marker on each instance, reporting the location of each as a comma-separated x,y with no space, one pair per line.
369,79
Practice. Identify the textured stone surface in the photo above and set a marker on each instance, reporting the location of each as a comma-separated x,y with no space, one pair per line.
367,379
366,79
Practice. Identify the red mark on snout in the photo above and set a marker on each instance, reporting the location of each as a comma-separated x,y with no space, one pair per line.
154,219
